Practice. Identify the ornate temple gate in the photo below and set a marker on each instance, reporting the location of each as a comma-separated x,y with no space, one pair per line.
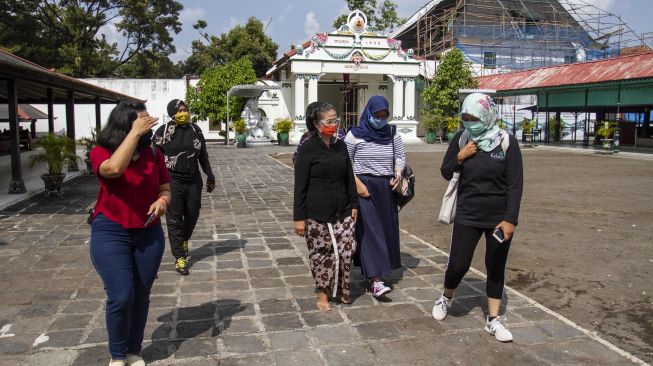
345,68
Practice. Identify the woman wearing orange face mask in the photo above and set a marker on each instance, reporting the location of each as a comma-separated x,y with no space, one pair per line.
326,206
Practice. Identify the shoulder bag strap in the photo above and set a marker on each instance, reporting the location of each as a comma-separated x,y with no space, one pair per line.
505,142
463,139
393,155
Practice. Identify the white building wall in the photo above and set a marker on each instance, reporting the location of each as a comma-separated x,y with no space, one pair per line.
156,92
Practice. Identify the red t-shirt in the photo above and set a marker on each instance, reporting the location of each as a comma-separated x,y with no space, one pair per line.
125,200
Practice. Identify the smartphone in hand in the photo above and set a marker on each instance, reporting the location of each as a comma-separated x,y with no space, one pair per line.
150,219
498,234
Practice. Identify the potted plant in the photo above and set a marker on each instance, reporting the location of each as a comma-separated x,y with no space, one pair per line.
239,128
433,124
452,125
283,127
606,131
554,132
89,143
274,128
58,150
527,126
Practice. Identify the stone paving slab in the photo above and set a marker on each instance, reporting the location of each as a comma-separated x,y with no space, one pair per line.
249,299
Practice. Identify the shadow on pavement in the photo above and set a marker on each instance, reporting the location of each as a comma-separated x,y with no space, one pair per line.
465,304
215,248
201,321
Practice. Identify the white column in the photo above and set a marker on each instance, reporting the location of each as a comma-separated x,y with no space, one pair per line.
405,121
410,98
312,88
286,99
299,97
397,98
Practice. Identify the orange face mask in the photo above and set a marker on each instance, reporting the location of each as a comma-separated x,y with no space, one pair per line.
329,130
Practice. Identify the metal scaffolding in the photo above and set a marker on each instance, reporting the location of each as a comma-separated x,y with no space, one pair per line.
522,34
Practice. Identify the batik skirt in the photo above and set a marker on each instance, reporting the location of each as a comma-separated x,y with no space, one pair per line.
330,259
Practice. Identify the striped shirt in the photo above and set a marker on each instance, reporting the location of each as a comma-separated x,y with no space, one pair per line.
375,159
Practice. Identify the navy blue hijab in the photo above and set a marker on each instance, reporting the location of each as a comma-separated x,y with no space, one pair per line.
365,131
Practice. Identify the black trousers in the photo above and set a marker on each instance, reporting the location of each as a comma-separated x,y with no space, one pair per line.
183,212
463,244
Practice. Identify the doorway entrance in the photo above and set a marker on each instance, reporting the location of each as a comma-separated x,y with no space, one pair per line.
350,106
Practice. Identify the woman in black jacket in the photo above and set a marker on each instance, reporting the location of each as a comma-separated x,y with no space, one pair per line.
489,195
183,146
326,206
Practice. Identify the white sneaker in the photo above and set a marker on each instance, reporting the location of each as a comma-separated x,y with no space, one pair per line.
135,360
439,311
378,288
498,329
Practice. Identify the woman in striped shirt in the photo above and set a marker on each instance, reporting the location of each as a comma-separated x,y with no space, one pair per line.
378,157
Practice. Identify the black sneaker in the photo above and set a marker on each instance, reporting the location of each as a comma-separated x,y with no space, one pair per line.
181,265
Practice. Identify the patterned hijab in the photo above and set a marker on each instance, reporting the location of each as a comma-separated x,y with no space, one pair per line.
483,107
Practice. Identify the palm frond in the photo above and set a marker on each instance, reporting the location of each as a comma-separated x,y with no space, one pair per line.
58,151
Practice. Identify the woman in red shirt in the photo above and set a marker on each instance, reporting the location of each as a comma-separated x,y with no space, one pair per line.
127,241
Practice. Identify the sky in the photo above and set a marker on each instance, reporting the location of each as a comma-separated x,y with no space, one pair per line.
294,21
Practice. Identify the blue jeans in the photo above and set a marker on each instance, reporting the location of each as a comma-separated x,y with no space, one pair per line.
127,260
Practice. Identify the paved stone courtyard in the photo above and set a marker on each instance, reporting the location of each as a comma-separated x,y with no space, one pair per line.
249,299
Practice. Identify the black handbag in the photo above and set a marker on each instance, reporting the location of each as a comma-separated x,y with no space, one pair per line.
406,189
89,218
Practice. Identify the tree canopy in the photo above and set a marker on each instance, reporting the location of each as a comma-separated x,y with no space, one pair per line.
209,99
379,18
68,34
453,73
148,64
247,40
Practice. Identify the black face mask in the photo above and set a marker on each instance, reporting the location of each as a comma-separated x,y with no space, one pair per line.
144,141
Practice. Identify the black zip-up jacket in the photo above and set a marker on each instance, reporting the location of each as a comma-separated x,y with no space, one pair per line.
490,184
183,147
325,189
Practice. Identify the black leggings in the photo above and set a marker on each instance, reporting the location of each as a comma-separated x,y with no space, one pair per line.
183,213
463,244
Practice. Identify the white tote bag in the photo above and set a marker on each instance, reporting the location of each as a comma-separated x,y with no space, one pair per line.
448,209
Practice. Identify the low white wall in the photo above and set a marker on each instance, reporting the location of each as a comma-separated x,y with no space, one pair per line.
156,92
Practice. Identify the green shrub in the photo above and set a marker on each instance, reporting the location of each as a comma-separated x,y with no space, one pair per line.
59,150
283,125
606,129
238,126
453,124
432,122
527,126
